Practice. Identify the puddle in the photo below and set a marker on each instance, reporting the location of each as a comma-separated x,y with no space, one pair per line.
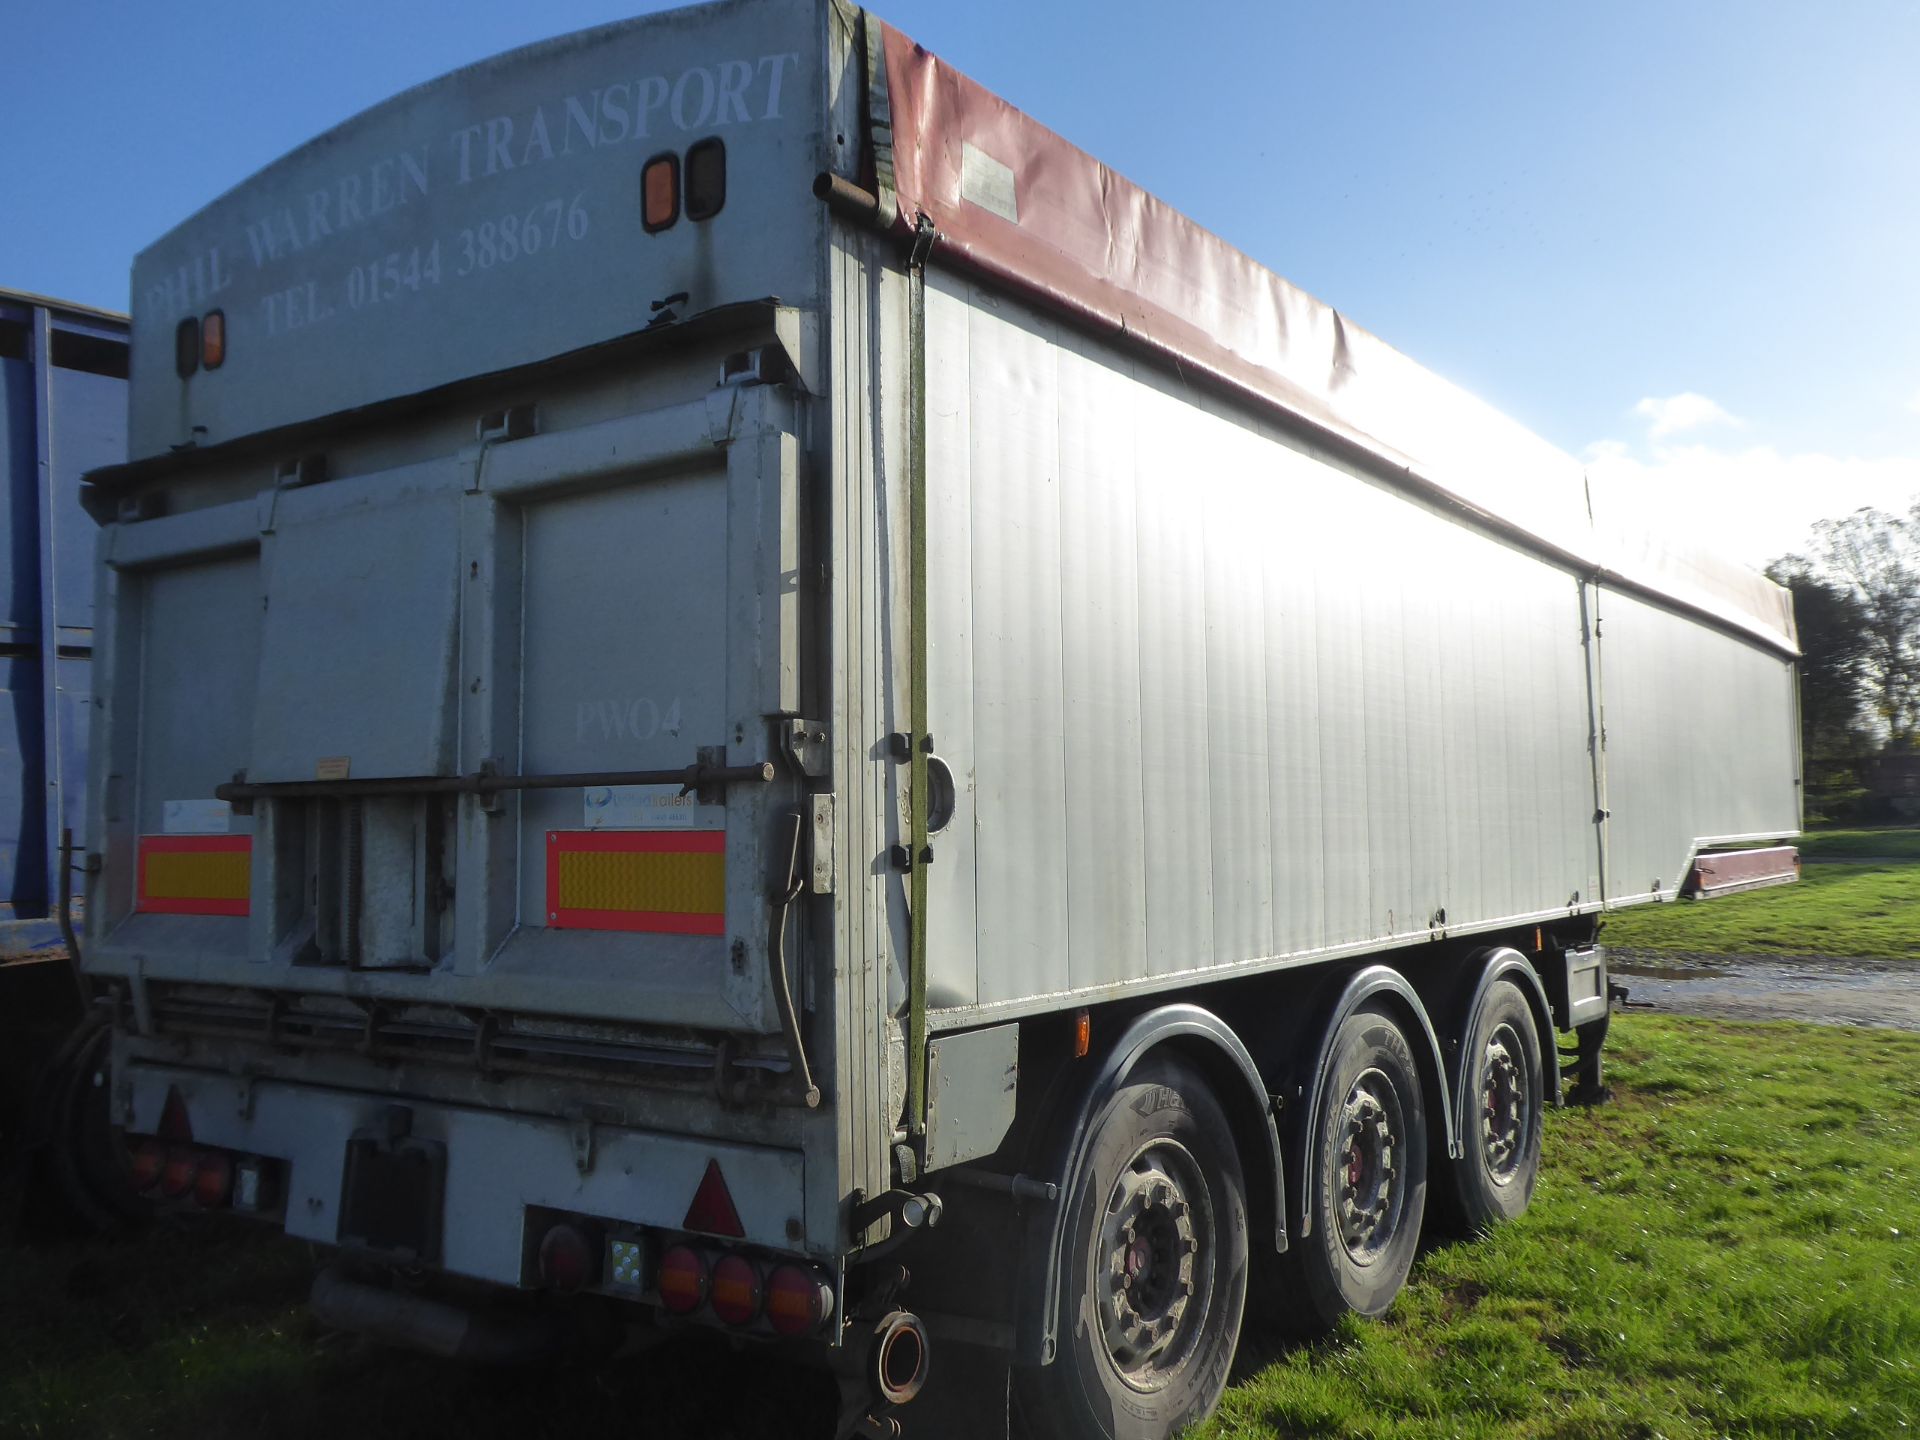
1822,989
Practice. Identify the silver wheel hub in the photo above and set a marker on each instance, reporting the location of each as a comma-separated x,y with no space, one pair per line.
1154,1275
1503,1108
1369,1190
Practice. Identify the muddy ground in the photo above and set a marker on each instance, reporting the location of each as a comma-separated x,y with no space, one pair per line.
1823,989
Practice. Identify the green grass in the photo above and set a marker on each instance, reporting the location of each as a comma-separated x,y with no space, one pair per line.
1861,910
1886,843
198,1330
1730,1249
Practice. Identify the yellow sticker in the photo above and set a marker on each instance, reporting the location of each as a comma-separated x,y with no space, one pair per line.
332,767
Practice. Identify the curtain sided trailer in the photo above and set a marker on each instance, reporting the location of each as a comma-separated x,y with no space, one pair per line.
739,690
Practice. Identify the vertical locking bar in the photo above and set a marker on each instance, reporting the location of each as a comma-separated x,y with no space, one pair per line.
917,847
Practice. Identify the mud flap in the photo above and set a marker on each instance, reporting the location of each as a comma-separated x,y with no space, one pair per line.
965,1396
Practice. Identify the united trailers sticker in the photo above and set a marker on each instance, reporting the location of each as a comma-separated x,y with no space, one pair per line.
667,882
195,874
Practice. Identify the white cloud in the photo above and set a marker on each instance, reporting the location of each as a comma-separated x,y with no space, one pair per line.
1914,403
1753,504
1685,411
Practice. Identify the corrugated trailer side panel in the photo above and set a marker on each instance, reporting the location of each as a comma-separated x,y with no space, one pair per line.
1211,697
1702,744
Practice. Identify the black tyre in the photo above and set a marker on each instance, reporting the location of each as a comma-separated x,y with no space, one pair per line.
1503,1094
86,1157
1366,1183
1155,1274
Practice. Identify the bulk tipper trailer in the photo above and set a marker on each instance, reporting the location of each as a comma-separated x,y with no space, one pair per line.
737,689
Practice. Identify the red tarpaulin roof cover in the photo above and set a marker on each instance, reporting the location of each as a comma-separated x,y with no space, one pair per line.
1014,201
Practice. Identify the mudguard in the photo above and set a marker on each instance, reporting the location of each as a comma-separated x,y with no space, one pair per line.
1210,1042
1365,985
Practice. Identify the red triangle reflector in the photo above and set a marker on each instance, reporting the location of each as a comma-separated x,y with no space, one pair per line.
712,1212
174,1124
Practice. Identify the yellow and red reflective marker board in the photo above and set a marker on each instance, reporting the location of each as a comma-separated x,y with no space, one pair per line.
195,874
668,882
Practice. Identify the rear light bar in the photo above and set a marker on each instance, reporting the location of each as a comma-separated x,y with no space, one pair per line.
212,1179
791,1299
693,1272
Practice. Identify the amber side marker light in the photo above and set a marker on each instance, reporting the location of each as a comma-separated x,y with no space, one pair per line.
1082,1035
660,192
213,339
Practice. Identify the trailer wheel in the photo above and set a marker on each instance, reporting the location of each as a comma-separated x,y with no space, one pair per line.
1366,1182
1504,1093
1156,1271
85,1155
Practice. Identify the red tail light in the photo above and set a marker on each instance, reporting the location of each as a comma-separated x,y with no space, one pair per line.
213,1180
145,1162
712,1211
683,1280
736,1290
176,1176
566,1258
799,1300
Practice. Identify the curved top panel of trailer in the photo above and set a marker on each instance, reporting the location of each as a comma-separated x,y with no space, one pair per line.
1016,202
486,220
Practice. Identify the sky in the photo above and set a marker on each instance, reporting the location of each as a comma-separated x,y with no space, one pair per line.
1679,240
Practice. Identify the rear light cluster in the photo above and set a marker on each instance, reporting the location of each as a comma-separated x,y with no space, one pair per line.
697,1275
686,1278
793,1299
211,1179
697,186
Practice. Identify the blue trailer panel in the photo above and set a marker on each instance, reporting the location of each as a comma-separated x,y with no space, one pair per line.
63,412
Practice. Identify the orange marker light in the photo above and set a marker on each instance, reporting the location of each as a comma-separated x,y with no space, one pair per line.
1082,1035
213,339
660,192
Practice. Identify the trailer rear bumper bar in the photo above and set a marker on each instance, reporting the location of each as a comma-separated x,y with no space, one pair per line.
495,1165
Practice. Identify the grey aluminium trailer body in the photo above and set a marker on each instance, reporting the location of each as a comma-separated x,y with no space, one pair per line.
715,648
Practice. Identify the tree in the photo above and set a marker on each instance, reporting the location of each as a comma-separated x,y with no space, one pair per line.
1876,557
1834,646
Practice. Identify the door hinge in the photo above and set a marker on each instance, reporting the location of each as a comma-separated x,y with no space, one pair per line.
805,745
820,808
